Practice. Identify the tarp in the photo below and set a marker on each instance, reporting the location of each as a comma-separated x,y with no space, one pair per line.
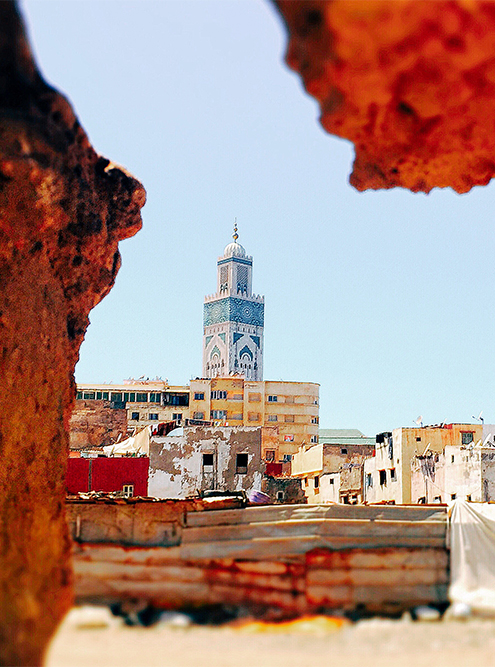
472,555
137,444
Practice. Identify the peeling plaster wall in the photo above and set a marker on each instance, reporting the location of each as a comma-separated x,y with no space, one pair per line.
176,462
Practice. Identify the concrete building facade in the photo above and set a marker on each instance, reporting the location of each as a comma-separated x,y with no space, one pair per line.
388,474
205,459
332,470
233,319
464,471
290,409
145,401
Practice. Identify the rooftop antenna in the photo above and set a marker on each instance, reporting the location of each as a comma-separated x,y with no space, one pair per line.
480,417
419,421
235,235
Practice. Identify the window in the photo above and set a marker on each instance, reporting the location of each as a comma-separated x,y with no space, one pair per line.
452,458
289,419
272,399
219,414
103,395
253,416
131,395
153,416
177,416
418,439
289,399
468,497
254,398
237,397
280,496
176,399
369,480
272,418
155,397
89,395
237,416
383,477
199,396
218,395
315,420
422,500
392,475
79,395
135,416
270,455
128,490
116,396
306,481
314,438
453,496
437,499
332,481
343,450
198,415
316,482
241,464
141,398
467,437
207,462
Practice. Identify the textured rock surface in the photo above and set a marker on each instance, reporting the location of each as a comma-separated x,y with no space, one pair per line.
410,83
63,210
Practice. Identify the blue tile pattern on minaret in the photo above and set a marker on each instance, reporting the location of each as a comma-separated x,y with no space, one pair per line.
231,309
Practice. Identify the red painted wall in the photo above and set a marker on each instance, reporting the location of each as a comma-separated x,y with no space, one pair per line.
108,474
77,478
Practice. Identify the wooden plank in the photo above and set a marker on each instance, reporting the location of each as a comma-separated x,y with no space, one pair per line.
379,558
307,512
355,527
138,572
121,554
370,577
374,597
285,547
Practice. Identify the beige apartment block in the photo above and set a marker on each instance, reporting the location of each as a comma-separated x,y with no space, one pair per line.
288,411
388,475
146,401
332,470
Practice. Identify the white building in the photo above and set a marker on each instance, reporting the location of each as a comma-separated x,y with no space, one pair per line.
233,319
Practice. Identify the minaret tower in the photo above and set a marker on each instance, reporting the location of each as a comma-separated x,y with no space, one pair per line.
234,319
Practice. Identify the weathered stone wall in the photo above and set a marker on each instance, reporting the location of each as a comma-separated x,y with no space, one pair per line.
410,83
63,210
96,424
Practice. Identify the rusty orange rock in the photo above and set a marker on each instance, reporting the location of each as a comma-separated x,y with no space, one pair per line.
410,83
63,210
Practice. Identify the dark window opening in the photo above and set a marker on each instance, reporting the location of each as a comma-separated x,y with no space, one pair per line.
207,462
383,477
241,464
343,450
135,416
316,482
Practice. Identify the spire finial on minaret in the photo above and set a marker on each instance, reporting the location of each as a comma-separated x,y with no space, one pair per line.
235,235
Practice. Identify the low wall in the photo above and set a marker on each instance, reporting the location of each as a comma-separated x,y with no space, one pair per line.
290,559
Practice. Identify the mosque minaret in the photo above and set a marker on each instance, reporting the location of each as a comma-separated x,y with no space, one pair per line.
234,319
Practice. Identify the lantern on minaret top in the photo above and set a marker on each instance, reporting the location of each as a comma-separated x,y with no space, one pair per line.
233,319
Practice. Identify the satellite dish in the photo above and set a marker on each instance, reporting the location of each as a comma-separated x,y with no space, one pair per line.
479,417
419,421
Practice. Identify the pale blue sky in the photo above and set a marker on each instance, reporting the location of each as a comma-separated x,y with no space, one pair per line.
385,298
